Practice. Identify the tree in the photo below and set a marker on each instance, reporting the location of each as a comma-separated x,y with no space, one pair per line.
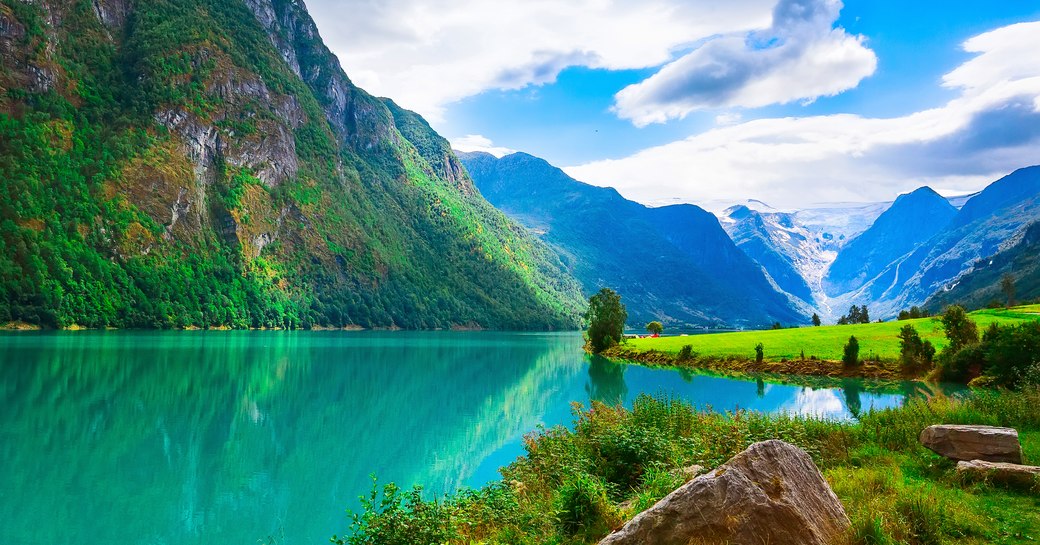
606,318
850,357
816,319
914,353
960,329
1007,285
759,352
655,327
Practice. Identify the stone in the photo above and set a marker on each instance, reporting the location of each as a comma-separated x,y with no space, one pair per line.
1000,472
988,443
770,493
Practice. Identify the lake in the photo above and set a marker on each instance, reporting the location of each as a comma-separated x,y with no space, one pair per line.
268,437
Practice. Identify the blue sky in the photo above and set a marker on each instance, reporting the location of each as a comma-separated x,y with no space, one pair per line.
714,101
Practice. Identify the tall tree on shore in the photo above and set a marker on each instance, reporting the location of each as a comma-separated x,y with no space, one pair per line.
606,320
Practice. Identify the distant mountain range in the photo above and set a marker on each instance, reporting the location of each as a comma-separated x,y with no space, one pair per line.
673,263
916,249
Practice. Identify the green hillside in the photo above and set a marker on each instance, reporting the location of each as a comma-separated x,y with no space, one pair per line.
826,342
179,163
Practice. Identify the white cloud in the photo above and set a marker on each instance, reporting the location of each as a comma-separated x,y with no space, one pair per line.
478,142
992,127
426,54
801,56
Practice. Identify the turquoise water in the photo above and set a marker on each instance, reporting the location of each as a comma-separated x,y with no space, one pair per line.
267,437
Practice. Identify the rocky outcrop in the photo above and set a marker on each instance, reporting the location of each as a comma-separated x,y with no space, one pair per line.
988,443
1011,474
770,493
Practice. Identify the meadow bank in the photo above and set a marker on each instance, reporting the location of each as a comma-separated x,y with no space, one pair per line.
815,351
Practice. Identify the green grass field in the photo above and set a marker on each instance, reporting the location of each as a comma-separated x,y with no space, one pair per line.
879,340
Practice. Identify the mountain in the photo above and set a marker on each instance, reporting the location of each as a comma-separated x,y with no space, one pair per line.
795,247
208,163
673,263
754,234
982,284
911,221
987,223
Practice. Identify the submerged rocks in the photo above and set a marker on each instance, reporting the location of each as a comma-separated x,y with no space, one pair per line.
1012,474
770,493
988,443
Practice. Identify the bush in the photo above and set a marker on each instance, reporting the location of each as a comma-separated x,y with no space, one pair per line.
582,507
759,353
850,357
686,352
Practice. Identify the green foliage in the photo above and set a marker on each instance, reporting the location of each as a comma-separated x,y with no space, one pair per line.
686,352
959,328
583,509
759,352
856,315
850,354
606,320
373,236
655,328
393,517
914,353
893,489
816,320
914,313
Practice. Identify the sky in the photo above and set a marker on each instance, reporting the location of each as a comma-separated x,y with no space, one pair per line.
792,102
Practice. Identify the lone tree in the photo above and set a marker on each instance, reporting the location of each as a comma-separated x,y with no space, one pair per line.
606,318
850,358
654,327
959,328
816,319
760,352
1007,285
914,353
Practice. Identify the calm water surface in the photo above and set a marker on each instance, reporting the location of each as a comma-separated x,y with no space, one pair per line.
267,437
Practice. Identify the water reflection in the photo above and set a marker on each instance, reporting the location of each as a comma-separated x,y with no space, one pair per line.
235,437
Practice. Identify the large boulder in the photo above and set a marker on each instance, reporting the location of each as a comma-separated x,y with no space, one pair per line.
999,472
770,493
987,443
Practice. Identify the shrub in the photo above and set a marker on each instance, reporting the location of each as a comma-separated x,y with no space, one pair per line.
582,507
686,352
759,352
850,357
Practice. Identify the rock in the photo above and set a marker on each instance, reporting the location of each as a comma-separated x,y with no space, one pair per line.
987,443
770,493
1000,472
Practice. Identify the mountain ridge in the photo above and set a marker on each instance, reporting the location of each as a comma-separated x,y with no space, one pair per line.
674,263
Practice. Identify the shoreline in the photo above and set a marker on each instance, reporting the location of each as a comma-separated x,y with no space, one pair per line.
742,366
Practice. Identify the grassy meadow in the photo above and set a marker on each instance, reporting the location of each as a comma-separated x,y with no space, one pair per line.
876,340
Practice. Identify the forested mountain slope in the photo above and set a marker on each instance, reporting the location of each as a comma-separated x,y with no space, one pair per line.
208,163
